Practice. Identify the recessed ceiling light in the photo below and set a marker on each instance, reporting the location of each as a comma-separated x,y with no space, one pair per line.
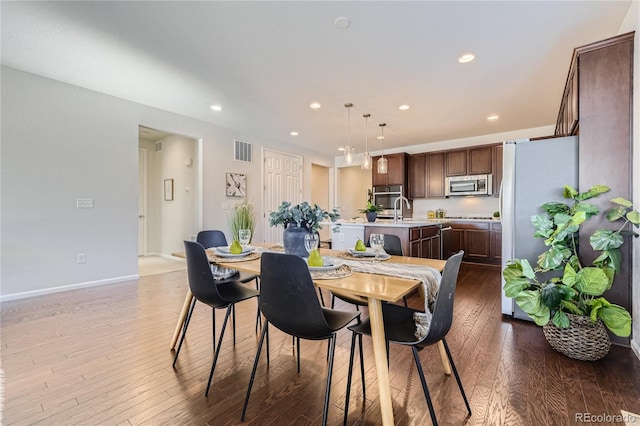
493,117
216,107
380,137
341,148
403,107
294,133
342,22
467,57
314,105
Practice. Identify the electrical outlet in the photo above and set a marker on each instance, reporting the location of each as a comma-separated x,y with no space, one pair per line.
84,203
225,206
81,258
341,236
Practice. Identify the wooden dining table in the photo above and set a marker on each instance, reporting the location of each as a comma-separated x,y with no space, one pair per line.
376,288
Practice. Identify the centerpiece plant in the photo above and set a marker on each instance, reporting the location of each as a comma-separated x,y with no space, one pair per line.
560,285
303,215
299,220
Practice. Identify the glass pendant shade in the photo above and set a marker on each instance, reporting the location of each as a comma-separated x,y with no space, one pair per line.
348,150
382,166
382,162
366,157
348,154
366,161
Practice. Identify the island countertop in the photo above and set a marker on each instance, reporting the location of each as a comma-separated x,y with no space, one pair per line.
406,223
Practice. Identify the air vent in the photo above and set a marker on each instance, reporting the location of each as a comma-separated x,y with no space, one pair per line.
242,151
158,146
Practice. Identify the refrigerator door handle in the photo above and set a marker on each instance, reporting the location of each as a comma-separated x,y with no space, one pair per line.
500,201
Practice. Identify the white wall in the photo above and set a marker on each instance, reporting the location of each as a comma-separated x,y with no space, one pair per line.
632,23
60,143
353,183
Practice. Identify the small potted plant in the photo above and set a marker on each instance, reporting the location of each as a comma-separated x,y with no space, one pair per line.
561,294
243,217
298,220
371,211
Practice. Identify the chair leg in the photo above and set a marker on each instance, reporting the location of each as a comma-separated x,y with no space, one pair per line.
264,333
298,352
364,388
184,330
349,375
217,352
321,297
233,314
332,344
404,299
333,300
258,316
425,389
455,373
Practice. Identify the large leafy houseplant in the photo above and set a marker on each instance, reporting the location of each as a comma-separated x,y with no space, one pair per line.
302,215
560,283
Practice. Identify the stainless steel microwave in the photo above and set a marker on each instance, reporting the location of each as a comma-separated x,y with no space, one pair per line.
468,185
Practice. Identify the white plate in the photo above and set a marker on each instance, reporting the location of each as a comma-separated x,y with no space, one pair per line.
329,264
224,252
323,268
368,253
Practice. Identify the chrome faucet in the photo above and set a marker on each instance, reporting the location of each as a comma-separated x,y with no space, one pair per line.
395,207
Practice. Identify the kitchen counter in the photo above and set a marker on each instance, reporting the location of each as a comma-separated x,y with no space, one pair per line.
406,223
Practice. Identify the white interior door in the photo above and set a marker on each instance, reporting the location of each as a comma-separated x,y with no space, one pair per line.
282,174
142,202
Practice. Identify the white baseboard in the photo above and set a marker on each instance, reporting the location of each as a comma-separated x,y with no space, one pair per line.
635,347
166,256
33,293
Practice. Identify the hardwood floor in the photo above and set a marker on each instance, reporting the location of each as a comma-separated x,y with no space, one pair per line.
101,356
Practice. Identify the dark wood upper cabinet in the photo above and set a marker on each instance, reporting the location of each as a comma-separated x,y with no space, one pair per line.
497,169
480,160
470,161
435,174
396,171
417,178
456,162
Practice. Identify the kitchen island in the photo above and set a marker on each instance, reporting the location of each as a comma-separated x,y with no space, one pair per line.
420,238
479,237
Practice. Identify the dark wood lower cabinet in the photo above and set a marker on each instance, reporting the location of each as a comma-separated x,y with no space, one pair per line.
418,241
481,241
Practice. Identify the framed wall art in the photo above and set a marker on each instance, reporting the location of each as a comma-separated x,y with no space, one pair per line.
168,189
236,185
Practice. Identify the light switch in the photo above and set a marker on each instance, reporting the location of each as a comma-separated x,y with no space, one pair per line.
84,203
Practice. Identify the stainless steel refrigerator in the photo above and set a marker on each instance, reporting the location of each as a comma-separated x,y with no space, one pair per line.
534,172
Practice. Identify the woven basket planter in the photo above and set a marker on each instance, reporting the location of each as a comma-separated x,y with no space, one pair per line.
583,340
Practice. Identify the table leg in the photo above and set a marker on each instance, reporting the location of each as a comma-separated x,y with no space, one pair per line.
443,357
380,355
183,315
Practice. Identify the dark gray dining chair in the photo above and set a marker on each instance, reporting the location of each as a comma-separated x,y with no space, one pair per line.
399,327
217,295
289,302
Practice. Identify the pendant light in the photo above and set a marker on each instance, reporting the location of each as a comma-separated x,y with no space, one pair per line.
382,162
348,150
366,157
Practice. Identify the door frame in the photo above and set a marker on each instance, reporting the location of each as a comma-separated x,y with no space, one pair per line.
142,216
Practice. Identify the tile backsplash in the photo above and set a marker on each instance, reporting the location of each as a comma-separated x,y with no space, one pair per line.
456,206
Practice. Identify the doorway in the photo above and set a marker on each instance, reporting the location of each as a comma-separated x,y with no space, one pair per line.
320,184
282,177
167,217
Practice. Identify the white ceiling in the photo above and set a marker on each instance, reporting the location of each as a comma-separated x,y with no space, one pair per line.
265,62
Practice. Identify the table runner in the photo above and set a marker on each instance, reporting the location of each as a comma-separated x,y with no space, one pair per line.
429,284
